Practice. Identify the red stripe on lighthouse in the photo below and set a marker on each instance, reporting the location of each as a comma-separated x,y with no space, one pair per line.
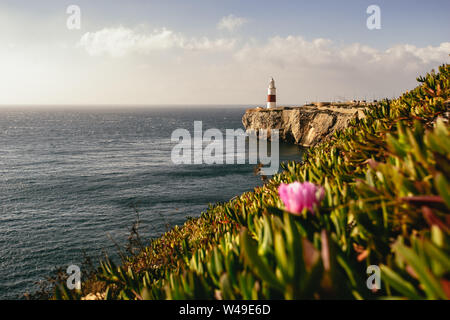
271,98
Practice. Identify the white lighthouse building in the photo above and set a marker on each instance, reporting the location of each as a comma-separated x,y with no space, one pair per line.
271,94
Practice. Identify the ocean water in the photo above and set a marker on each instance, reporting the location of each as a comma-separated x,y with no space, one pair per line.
71,180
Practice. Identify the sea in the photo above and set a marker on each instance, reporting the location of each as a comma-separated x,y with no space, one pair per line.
74,180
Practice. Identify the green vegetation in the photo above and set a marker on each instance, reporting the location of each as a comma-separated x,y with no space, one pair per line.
387,203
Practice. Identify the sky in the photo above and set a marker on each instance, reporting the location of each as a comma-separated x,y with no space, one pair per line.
215,52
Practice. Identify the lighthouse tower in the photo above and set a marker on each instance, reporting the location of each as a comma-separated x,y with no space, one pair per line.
271,94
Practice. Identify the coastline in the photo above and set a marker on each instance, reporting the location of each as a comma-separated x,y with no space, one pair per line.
306,125
248,248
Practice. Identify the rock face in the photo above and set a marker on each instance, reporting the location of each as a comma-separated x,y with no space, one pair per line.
305,126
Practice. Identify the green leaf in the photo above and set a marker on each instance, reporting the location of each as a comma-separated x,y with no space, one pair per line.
250,250
431,285
281,257
226,288
437,254
443,188
398,283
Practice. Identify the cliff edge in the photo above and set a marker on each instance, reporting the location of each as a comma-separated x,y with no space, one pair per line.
306,125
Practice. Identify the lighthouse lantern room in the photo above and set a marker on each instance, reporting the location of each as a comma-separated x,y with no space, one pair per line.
271,94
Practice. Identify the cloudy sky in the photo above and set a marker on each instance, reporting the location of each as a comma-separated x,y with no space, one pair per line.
215,52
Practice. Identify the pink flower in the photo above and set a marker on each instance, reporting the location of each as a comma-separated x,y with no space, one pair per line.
297,196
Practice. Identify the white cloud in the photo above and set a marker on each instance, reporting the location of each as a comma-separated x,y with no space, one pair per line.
231,22
306,70
210,45
120,41
295,51
205,69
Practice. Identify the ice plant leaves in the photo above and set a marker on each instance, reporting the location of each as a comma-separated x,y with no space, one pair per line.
251,253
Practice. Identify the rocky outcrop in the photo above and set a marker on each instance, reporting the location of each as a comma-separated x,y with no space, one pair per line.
306,125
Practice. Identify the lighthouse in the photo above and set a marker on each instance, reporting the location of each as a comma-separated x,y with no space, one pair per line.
271,94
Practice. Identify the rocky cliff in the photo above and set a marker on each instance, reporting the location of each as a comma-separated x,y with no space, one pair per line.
306,125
